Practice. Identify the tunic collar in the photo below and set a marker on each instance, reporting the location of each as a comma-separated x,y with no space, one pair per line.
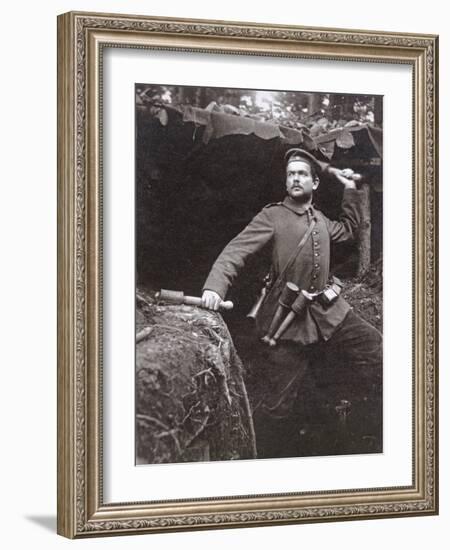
297,208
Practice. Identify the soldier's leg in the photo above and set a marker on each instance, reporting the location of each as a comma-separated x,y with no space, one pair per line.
354,366
276,376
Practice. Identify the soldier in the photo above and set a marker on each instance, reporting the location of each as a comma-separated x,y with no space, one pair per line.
300,237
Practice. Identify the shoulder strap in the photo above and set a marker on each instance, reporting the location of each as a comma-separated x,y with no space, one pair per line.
296,252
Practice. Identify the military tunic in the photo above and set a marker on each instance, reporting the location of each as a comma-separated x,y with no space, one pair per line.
281,226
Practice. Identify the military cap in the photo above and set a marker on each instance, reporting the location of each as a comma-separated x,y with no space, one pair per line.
300,154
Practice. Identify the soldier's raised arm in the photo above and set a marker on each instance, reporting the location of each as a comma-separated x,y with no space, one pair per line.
346,228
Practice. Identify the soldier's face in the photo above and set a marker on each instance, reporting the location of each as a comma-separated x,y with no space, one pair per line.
300,182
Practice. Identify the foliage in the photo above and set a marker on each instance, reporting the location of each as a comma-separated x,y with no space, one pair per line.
317,113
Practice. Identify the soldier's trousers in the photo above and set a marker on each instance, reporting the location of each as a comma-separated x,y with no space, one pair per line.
337,383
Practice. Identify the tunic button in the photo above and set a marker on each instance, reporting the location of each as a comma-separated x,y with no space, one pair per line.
316,244
316,265
316,253
311,287
314,232
314,276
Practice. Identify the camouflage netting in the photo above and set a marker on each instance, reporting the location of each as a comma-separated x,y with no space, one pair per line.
191,401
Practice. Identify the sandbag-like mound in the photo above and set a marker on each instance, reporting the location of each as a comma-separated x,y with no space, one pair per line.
191,401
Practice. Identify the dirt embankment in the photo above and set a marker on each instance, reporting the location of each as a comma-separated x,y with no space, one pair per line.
191,401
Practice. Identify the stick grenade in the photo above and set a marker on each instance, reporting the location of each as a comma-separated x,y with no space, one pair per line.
178,297
355,176
297,308
262,295
288,296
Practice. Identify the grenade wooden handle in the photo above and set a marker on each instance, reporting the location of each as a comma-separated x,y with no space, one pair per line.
178,297
194,301
297,308
287,297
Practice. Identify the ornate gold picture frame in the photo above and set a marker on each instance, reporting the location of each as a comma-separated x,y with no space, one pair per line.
83,511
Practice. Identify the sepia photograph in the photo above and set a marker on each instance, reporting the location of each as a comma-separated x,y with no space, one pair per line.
247,274
259,274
